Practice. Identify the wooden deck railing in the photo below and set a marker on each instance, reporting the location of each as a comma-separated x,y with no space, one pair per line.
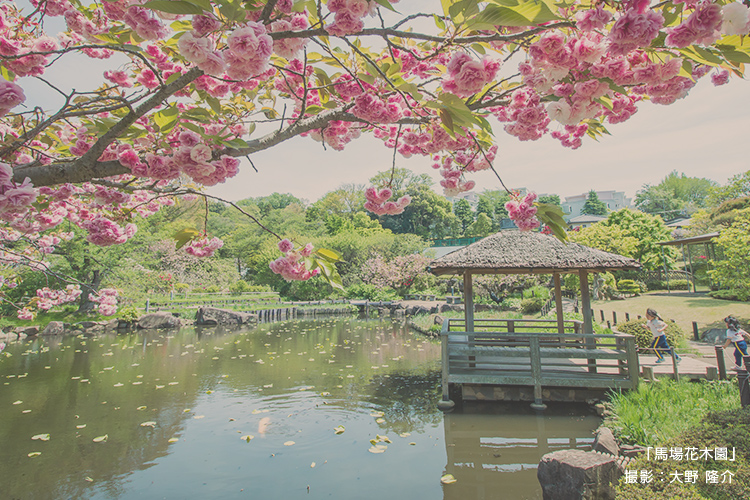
534,353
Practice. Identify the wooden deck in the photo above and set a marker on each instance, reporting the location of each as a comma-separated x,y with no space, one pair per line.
516,356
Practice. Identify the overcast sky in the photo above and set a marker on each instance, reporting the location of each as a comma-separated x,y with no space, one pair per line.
703,135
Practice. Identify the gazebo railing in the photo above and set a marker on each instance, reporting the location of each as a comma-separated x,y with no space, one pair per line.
533,353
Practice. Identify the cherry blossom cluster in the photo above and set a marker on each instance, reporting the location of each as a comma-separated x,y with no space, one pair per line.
11,95
203,247
106,300
377,202
523,212
49,298
349,14
291,267
467,76
15,199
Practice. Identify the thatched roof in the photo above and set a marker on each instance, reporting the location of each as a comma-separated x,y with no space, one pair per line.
512,252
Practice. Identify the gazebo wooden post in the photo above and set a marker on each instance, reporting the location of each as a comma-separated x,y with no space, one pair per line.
468,302
558,303
588,324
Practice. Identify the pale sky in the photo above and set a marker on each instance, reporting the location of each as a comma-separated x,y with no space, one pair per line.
702,135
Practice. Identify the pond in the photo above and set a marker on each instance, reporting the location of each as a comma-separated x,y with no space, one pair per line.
326,408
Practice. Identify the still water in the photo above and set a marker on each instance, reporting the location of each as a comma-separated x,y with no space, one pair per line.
327,408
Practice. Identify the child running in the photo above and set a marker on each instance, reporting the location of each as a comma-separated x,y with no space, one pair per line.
659,341
736,336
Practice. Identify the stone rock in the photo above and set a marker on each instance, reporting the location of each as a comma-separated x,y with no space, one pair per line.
53,328
714,336
399,313
604,442
451,307
578,475
632,450
215,316
158,320
27,331
9,336
91,324
437,319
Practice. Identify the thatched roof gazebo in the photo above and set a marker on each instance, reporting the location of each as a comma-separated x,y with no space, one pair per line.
516,252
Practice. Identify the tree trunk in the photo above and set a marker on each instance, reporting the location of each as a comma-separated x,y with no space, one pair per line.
84,304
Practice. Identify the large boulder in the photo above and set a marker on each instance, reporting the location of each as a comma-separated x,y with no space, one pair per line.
604,442
578,475
27,331
215,316
159,320
54,328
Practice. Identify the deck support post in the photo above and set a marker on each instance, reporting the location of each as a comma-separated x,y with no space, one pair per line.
558,303
588,325
536,372
445,404
468,302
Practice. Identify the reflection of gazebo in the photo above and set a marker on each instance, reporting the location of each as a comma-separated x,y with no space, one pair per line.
515,252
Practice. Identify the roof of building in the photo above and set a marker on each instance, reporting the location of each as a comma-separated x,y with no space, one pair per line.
515,252
694,239
581,219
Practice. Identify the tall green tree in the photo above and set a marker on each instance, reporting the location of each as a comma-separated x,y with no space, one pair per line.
647,230
675,194
593,205
462,210
733,270
480,227
738,186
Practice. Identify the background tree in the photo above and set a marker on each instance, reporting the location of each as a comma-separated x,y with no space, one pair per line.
737,187
462,210
593,205
646,231
480,227
732,271
674,195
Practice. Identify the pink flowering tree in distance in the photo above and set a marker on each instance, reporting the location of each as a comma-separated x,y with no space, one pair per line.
196,85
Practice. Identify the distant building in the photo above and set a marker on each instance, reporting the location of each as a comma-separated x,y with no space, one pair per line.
615,200
585,220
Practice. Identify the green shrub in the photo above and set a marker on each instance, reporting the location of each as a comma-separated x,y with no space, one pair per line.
129,314
363,291
511,304
643,335
536,291
239,287
725,295
628,286
532,305
181,287
679,285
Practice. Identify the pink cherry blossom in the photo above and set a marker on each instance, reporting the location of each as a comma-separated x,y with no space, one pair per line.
11,95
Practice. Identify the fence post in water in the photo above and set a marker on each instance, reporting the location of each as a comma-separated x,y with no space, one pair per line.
720,362
696,335
148,303
614,318
601,311
627,316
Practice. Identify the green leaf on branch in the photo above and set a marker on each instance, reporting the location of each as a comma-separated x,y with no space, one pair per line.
177,7
552,216
184,236
386,4
514,13
329,255
166,119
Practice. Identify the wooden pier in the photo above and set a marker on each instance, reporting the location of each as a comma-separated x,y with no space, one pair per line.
507,359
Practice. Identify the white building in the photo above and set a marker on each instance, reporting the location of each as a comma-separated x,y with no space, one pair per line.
615,200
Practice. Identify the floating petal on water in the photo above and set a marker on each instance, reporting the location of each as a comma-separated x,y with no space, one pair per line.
40,437
448,479
101,439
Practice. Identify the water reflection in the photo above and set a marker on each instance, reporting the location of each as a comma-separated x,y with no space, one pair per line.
493,448
229,413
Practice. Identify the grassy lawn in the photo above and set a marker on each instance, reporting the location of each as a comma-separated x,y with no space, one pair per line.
682,307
